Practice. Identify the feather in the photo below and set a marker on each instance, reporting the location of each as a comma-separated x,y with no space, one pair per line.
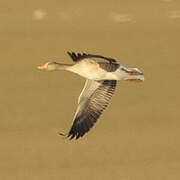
93,100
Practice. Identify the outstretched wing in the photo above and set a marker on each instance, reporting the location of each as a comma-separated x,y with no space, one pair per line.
93,100
77,57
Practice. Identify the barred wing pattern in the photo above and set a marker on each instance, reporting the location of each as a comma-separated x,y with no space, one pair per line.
93,100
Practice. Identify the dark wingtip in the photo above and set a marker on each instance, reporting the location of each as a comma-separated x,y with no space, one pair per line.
72,55
76,57
69,53
71,136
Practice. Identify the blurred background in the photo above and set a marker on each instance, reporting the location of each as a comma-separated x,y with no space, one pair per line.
137,137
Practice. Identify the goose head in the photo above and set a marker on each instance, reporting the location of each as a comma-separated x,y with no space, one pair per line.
49,66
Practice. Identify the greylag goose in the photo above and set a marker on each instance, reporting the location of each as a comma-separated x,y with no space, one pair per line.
101,74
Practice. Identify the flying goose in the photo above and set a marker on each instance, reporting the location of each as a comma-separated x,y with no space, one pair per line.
101,74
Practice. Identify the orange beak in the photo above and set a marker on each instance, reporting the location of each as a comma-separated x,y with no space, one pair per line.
42,67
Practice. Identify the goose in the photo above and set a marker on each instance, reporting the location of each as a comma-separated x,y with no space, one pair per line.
101,74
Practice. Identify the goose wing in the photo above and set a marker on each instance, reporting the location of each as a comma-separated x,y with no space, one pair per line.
93,99
77,57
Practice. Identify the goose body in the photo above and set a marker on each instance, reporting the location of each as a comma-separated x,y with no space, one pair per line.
93,71
101,74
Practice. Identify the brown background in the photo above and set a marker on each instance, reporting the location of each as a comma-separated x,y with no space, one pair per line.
137,137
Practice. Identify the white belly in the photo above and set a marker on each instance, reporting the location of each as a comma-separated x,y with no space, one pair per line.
92,71
88,70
